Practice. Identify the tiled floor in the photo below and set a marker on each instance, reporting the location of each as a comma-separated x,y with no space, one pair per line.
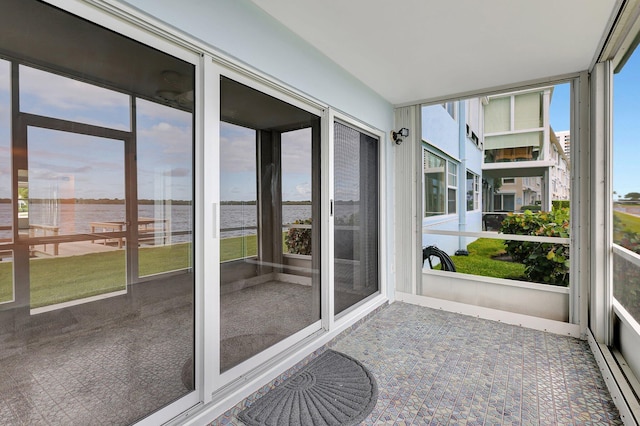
106,362
439,368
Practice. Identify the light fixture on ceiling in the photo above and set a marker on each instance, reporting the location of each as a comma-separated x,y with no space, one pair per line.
399,135
167,95
174,78
174,90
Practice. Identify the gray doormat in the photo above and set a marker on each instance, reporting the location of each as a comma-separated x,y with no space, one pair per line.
333,389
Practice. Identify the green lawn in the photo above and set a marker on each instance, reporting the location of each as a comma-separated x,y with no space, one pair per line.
155,260
238,247
56,280
60,279
480,262
629,222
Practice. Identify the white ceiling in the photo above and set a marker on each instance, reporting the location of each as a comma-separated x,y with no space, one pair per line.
413,50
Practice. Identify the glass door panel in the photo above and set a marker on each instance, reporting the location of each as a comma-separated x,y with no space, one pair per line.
6,207
6,213
356,224
90,341
76,223
165,190
265,294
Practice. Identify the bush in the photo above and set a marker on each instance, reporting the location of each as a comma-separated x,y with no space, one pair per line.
298,240
560,204
544,262
535,208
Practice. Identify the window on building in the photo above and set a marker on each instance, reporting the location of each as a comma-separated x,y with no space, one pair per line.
434,184
508,180
440,185
452,187
451,109
473,191
514,127
504,202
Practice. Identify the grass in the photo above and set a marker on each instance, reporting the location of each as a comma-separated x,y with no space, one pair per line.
155,260
238,247
629,222
60,279
480,261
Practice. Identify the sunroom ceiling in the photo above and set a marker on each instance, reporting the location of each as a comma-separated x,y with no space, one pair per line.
413,50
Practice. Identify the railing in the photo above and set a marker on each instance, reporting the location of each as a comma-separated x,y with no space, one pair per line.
497,236
522,258
626,279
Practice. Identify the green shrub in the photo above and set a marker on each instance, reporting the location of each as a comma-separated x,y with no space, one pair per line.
560,204
544,262
533,208
298,240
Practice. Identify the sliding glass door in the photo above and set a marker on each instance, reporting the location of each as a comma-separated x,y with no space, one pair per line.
269,222
356,216
97,288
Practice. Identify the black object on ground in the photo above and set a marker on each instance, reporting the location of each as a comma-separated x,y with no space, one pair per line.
445,260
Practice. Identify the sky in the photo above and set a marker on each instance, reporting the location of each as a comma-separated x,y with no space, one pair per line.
626,106
626,110
67,165
165,135
238,164
559,110
70,165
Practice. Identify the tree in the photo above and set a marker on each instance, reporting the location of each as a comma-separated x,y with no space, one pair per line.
633,196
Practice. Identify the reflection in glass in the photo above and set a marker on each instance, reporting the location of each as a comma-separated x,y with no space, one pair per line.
75,187
238,212
86,333
6,214
6,275
52,95
266,146
164,159
296,193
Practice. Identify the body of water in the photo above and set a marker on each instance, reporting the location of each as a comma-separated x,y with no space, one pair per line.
76,218
246,218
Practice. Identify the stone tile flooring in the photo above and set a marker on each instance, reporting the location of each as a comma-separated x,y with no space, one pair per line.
435,367
107,362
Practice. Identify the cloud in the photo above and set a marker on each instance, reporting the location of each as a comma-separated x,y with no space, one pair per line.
151,111
296,151
304,190
237,149
52,90
178,172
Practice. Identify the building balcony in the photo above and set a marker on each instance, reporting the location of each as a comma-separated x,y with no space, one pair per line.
506,155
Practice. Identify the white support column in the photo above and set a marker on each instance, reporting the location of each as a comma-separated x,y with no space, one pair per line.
580,195
599,203
408,200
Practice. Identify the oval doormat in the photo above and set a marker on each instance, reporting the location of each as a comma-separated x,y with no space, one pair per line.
333,389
